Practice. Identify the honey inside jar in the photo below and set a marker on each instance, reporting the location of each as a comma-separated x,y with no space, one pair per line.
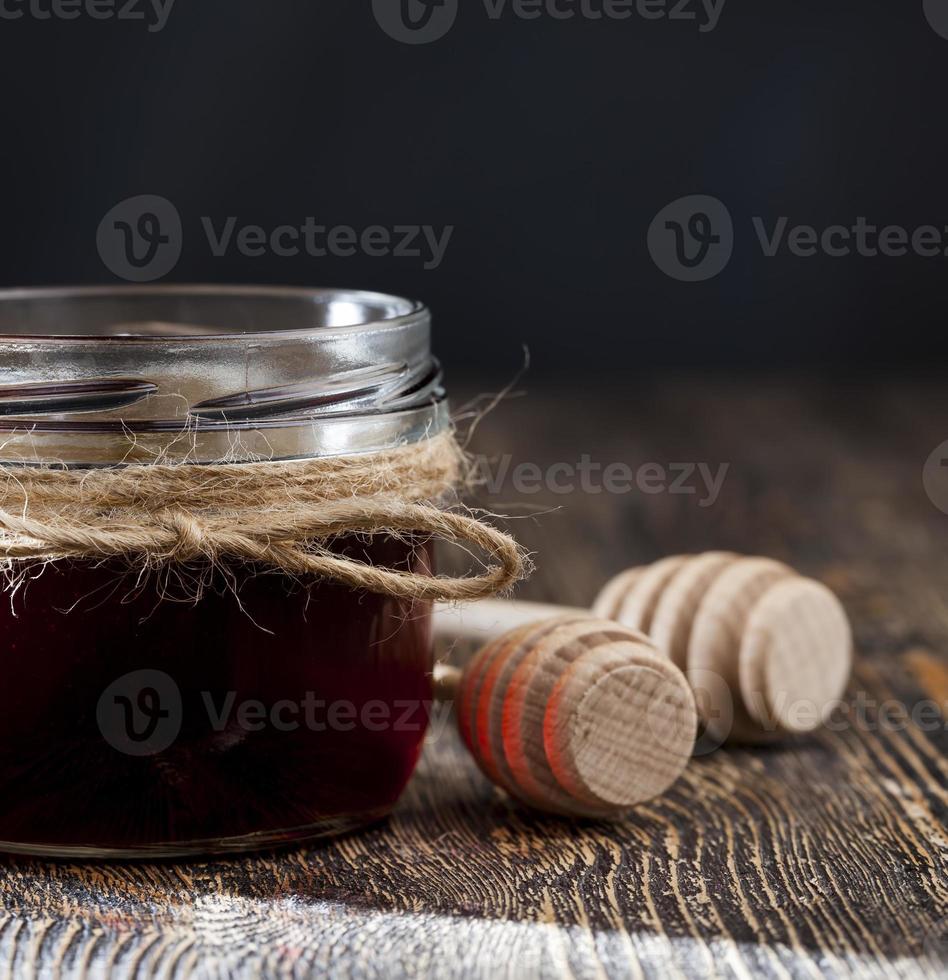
143,717
132,723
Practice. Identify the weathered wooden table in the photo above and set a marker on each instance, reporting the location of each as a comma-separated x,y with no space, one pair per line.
823,857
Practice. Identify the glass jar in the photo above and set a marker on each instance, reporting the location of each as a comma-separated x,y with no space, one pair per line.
145,723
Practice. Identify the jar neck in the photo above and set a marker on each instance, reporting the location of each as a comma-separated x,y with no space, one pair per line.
211,373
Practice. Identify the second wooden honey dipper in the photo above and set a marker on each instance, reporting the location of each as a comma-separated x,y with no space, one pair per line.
767,651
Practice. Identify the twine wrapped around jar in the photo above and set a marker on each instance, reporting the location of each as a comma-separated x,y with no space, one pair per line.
278,514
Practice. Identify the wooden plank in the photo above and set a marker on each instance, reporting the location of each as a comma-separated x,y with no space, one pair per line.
825,856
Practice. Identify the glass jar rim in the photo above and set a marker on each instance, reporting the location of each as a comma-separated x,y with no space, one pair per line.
240,372
385,310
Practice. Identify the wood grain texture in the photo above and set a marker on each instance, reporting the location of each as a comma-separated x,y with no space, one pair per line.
796,656
825,856
620,729
714,648
639,604
674,617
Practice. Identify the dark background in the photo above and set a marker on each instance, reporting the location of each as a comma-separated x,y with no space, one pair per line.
549,145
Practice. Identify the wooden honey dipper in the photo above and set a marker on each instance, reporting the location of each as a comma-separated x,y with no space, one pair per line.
766,651
574,715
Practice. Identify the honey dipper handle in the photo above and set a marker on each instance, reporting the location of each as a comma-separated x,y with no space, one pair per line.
487,619
446,682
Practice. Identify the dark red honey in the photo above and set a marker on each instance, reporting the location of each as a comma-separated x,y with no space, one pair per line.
134,725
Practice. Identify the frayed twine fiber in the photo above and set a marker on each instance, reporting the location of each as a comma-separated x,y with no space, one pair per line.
279,514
